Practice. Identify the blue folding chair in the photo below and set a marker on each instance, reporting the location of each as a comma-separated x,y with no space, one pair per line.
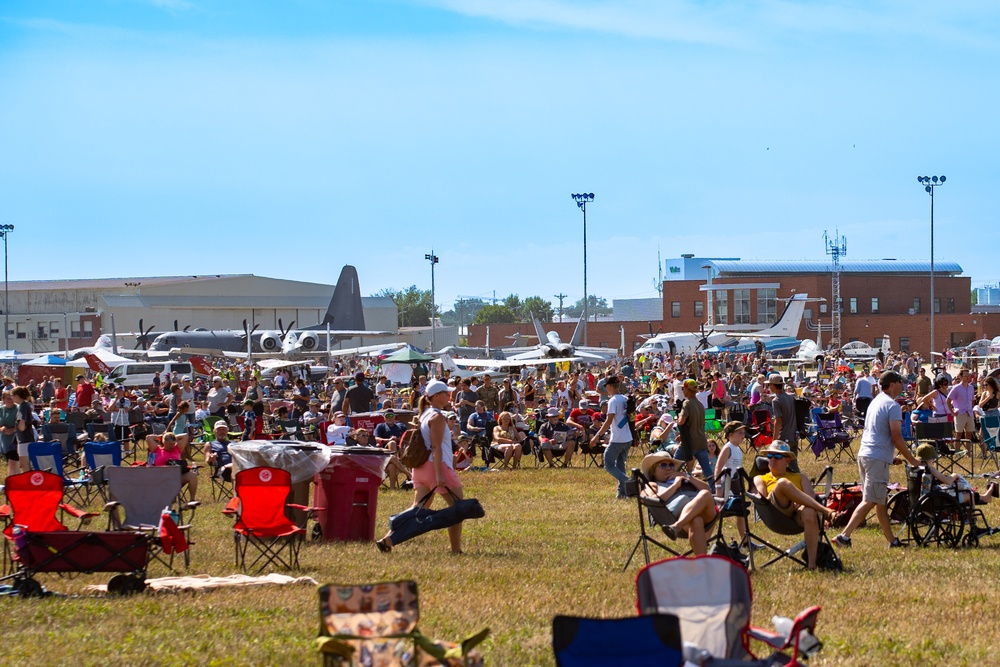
989,429
65,434
100,456
651,641
48,457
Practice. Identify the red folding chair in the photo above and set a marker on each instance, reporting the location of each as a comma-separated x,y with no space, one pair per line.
259,508
34,501
321,432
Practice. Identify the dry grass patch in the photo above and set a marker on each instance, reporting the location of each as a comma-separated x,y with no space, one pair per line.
553,541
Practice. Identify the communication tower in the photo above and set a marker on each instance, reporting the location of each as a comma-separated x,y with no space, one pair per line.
835,248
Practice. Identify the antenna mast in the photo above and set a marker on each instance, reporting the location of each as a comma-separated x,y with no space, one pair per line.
835,248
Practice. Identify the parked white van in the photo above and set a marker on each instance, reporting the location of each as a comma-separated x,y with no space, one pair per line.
140,373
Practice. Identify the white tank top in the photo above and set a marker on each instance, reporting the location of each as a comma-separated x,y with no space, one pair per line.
425,430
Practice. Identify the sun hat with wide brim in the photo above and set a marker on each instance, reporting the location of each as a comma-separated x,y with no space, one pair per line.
779,447
650,460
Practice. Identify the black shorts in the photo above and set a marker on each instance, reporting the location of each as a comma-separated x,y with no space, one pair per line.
12,455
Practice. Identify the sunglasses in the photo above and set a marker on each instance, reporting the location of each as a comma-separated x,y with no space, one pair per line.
775,456
666,464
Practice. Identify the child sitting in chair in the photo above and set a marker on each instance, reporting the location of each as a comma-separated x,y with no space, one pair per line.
928,452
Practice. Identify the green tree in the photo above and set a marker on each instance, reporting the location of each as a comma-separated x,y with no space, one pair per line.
538,306
495,315
597,306
464,312
414,305
513,302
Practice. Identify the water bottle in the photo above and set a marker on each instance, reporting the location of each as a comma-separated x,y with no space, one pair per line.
782,625
925,482
20,538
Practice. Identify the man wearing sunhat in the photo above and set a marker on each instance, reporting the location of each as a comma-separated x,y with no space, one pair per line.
792,494
783,408
694,442
880,441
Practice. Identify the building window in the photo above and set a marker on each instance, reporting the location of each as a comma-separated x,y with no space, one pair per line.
767,306
675,309
21,333
43,330
916,305
937,305
721,300
88,328
741,306
874,305
853,304
904,344
878,343
54,329
699,308
74,330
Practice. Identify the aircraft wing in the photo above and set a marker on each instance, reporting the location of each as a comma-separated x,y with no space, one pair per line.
507,363
366,349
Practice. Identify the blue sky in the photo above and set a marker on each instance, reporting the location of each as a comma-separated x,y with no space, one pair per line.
163,137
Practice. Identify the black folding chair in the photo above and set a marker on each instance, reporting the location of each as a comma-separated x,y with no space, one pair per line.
652,513
950,450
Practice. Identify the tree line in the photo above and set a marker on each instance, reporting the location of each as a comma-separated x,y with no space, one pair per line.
415,307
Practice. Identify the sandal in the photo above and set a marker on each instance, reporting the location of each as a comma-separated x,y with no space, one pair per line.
383,546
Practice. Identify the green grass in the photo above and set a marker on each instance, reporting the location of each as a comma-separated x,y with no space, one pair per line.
552,542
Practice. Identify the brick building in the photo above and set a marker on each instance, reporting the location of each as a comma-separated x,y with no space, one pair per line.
878,297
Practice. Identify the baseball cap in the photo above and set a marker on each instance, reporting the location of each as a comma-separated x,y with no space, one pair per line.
435,387
690,384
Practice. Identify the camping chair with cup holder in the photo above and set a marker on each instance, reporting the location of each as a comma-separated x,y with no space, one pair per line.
652,513
831,437
785,525
35,502
48,456
653,640
142,493
951,450
99,457
76,552
376,624
712,598
65,433
261,521
760,433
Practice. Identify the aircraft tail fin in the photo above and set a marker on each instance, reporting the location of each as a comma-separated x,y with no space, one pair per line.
577,339
539,329
788,324
448,364
345,310
885,343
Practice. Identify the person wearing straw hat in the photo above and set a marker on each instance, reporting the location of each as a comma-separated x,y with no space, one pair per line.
687,498
792,494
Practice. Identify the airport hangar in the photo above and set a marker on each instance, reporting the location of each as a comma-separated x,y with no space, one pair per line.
43,312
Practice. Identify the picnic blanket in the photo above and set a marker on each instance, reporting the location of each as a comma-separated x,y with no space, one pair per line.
201,582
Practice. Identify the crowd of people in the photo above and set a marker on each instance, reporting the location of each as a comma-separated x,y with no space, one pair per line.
550,413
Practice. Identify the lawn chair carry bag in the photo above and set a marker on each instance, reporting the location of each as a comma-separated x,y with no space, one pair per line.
417,520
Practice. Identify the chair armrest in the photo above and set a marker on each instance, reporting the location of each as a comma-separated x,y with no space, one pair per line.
111,505
772,639
5,512
232,507
191,505
78,513
305,508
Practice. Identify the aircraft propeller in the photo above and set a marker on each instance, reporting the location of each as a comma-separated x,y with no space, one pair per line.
142,340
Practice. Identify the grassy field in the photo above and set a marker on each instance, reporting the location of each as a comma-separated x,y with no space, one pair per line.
553,541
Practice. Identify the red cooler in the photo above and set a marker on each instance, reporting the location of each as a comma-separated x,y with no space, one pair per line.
348,490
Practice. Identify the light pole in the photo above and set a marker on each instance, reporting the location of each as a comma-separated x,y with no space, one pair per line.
581,201
4,230
433,259
929,183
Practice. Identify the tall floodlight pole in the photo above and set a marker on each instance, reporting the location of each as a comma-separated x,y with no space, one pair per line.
433,259
4,230
581,201
929,183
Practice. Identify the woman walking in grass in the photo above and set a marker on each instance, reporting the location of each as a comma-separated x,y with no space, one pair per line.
437,474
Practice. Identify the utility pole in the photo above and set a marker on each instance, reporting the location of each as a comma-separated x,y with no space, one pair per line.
560,296
581,202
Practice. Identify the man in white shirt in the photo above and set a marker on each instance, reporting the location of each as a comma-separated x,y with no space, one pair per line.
621,435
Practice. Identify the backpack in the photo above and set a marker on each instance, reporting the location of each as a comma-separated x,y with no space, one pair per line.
413,452
844,500
827,558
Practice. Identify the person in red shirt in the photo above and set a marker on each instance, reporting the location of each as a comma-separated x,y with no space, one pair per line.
84,393
61,396
583,418
591,381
